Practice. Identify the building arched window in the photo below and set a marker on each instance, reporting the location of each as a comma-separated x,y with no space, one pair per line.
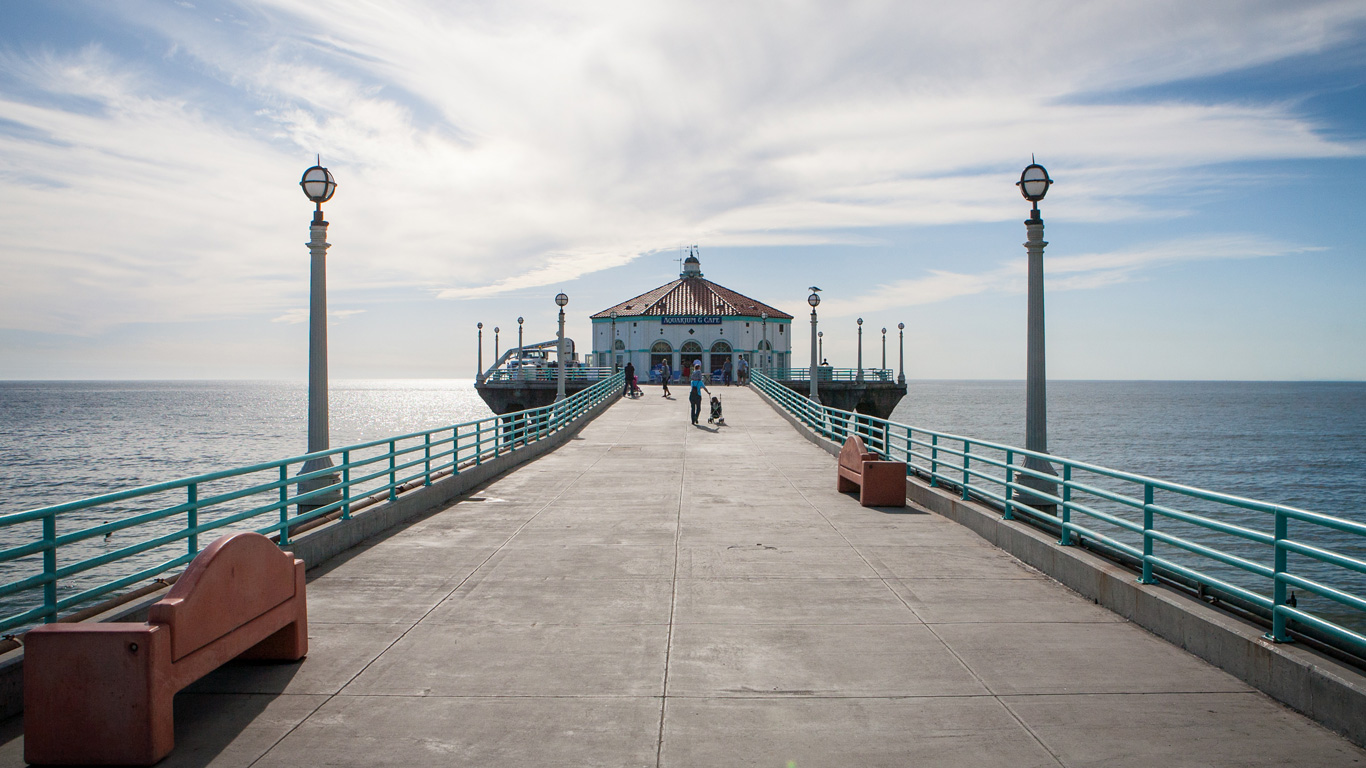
620,345
765,345
720,348
661,348
692,348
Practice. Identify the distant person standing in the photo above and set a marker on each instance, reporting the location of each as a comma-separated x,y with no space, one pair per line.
630,377
743,377
697,384
664,373
726,371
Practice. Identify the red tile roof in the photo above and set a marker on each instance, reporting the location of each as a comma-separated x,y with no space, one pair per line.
692,296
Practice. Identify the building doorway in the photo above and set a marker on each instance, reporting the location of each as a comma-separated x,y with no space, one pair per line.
691,355
661,352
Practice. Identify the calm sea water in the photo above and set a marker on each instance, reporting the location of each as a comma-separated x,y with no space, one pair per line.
1302,444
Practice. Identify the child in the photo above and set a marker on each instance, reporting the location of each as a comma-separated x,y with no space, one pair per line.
716,416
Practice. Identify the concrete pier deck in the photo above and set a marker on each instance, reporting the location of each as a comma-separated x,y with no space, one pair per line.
658,594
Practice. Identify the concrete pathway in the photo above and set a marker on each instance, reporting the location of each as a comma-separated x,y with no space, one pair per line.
657,594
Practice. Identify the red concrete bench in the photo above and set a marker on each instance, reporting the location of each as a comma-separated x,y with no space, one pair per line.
102,693
879,483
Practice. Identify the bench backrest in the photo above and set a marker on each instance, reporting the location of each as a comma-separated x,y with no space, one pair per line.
232,581
852,454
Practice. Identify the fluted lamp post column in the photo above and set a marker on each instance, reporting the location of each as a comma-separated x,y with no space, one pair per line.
814,300
519,347
763,353
318,186
479,364
495,345
1033,184
884,352
901,355
859,376
820,341
613,345
561,299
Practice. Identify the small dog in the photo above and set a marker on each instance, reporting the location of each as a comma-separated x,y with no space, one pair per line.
716,417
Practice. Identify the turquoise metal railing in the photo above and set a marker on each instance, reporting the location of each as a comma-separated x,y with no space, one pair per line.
1236,549
826,373
58,558
573,373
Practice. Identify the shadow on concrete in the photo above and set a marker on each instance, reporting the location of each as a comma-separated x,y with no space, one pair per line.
713,430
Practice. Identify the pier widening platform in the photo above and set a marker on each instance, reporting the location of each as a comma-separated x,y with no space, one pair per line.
654,593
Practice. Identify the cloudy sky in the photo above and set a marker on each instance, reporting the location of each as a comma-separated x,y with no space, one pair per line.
1206,222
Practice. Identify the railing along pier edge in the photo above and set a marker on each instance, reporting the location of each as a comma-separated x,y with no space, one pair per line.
1322,682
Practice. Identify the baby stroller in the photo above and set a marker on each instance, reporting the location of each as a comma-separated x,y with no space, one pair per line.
635,390
716,417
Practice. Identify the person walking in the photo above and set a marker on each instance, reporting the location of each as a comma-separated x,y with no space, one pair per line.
664,373
726,371
630,377
743,377
697,385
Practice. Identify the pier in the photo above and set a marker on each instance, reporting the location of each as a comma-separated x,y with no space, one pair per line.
653,593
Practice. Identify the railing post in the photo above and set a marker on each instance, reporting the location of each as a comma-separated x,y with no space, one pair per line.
346,485
934,461
1010,478
479,443
50,568
427,446
455,450
192,517
393,475
1278,621
909,465
284,505
1066,538
967,461
1147,577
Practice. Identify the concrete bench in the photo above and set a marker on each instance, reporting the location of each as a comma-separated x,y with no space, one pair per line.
102,693
879,483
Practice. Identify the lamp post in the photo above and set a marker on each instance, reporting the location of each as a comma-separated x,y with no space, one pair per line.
318,186
901,362
859,375
820,338
763,359
814,300
612,355
884,349
495,345
479,374
561,299
1033,184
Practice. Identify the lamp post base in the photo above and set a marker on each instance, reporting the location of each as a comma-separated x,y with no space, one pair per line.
316,483
1043,504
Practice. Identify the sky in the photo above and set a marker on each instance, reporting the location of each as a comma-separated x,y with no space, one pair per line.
1206,221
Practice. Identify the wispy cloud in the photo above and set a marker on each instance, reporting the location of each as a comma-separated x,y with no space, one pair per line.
299,315
1062,273
484,149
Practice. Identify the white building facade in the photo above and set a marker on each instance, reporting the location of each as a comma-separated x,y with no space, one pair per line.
692,320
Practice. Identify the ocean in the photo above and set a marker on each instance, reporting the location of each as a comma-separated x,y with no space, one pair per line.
1300,443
